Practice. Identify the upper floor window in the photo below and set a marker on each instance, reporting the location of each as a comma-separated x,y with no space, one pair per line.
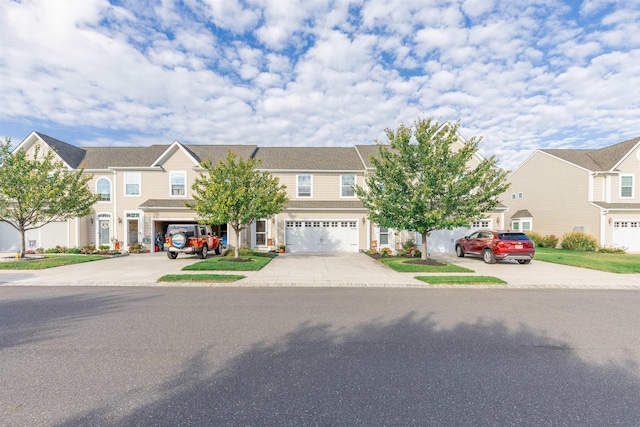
103,188
626,186
346,185
178,183
132,183
304,184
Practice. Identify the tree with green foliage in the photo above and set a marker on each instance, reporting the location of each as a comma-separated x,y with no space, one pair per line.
234,192
422,180
35,192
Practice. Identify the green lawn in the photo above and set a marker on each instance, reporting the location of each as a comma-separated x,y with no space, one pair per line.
225,263
399,264
201,278
48,261
461,280
613,263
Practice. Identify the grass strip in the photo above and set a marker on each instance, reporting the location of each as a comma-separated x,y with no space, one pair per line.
461,280
399,264
48,262
226,264
201,278
612,263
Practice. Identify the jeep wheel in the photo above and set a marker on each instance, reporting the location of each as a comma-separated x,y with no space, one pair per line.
218,251
488,256
203,253
459,251
172,255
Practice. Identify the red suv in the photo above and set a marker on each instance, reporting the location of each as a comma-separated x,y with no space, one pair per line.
497,245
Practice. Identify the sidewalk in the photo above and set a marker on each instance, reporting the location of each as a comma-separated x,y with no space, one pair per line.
314,270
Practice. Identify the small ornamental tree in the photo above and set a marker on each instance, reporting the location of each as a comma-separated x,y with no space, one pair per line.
35,192
234,192
422,182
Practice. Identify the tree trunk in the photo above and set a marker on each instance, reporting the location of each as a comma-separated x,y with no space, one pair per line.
424,245
237,249
23,245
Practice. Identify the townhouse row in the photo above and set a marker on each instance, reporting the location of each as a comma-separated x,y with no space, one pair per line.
144,189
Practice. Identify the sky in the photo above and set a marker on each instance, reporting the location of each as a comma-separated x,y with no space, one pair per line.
521,74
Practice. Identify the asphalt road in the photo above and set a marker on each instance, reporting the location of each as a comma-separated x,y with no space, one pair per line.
318,356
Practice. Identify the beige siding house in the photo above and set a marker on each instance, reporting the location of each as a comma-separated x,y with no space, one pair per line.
556,191
144,189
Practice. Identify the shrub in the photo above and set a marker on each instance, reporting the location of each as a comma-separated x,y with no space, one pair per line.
104,247
578,241
74,251
409,244
55,250
536,238
136,248
550,241
611,250
386,252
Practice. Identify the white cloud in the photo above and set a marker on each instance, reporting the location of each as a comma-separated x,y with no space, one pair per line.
292,72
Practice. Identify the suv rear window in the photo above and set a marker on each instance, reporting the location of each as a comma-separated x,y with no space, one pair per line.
513,236
188,230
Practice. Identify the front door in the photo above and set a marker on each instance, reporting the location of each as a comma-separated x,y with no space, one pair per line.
260,234
132,231
104,231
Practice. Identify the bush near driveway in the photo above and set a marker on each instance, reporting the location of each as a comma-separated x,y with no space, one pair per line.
612,263
251,263
405,265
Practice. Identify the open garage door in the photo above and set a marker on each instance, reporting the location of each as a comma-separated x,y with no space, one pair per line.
322,236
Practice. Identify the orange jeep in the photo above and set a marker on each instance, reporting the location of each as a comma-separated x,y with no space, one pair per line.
191,239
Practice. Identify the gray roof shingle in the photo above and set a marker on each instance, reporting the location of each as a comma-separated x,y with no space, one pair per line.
70,154
597,160
309,158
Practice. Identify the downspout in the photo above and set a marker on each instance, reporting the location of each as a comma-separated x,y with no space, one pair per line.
115,207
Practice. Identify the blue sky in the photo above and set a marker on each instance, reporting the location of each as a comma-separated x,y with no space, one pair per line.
523,74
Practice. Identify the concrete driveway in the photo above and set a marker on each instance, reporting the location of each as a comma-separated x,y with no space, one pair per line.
328,269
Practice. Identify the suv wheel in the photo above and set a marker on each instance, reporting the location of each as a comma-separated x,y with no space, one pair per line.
524,261
488,256
203,253
172,255
459,251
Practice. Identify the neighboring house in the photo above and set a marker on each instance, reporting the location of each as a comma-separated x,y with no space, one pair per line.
556,191
143,189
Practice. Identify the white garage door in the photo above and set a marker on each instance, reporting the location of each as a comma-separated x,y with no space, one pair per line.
626,234
322,236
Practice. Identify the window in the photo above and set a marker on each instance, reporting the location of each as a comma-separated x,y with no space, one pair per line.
626,186
515,225
304,185
103,188
513,196
384,236
480,224
520,195
132,184
178,183
346,185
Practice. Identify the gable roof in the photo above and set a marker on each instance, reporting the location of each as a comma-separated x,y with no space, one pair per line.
309,158
522,213
597,160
